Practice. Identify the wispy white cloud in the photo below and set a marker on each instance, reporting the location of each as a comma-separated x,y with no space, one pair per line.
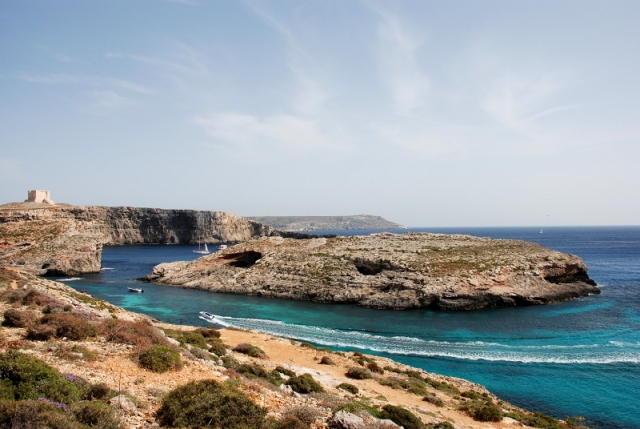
111,99
85,80
250,134
397,49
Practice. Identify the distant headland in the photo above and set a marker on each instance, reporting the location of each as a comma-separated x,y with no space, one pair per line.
315,223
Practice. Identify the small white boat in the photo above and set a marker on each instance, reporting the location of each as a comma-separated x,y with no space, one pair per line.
204,251
222,247
136,289
540,231
207,316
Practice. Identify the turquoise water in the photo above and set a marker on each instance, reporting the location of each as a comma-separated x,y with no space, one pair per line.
576,358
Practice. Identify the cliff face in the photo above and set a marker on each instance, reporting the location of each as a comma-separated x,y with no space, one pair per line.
450,272
68,240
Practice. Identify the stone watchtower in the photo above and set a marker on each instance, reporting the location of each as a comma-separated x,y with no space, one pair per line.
38,196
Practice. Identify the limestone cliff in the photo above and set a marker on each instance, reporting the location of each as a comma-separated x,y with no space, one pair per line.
67,240
413,270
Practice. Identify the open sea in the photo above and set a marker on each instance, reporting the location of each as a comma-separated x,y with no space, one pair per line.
579,358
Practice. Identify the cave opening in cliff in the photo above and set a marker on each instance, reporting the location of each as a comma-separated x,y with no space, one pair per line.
243,259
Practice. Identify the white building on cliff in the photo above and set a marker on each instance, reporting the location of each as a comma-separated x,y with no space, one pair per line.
38,196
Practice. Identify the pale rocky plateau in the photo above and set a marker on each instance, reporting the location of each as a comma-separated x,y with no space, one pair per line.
388,271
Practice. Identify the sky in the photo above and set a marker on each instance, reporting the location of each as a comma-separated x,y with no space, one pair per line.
428,113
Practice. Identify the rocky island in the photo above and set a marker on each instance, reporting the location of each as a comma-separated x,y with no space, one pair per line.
388,271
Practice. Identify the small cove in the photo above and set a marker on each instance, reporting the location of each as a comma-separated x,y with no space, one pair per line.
575,358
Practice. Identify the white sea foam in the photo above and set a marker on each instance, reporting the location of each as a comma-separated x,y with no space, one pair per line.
606,353
105,268
69,279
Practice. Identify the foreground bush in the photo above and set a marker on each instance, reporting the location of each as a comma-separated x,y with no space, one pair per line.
72,327
36,415
401,417
250,350
159,359
208,403
359,373
25,377
96,415
19,319
137,334
304,383
218,348
348,387
487,413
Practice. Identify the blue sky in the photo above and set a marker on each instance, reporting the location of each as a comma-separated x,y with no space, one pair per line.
429,113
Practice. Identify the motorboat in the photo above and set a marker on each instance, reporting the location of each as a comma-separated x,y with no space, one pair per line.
136,289
207,316
222,247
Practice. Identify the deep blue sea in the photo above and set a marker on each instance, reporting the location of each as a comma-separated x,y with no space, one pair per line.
579,358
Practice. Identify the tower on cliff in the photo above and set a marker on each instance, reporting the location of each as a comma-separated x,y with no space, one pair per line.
39,196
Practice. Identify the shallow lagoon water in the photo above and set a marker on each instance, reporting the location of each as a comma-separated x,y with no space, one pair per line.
576,358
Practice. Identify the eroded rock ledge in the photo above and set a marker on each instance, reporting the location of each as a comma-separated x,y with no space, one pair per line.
68,240
389,271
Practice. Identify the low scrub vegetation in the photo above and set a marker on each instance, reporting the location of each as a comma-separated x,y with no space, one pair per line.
34,395
304,383
250,350
359,373
159,359
208,403
348,387
401,417
139,334
14,318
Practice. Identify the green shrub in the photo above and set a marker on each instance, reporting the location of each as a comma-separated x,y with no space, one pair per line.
441,425
202,354
252,371
304,383
374,367
209,332
487,413
326,360
96,415
138,334
433,399
218,348
19,319
348,387
25,377
358,373
355,407
401,417
229,362
539,420
36,414
159,359
195,339
208,403
99,391
471,395
285,371
72,327
250,350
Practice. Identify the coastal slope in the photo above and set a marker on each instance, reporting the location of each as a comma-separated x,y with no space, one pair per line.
389,271
67,240
105,354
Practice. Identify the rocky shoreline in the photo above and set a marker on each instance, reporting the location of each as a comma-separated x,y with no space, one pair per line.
388,271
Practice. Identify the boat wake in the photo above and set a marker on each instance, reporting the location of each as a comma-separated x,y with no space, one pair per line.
606,353
69,279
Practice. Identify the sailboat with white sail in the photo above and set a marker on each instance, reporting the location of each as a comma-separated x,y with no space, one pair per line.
204,251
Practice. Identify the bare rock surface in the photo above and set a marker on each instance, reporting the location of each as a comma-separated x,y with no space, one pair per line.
389,271
67,240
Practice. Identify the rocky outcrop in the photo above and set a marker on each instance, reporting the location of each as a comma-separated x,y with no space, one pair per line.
390,271
315,223
67,240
